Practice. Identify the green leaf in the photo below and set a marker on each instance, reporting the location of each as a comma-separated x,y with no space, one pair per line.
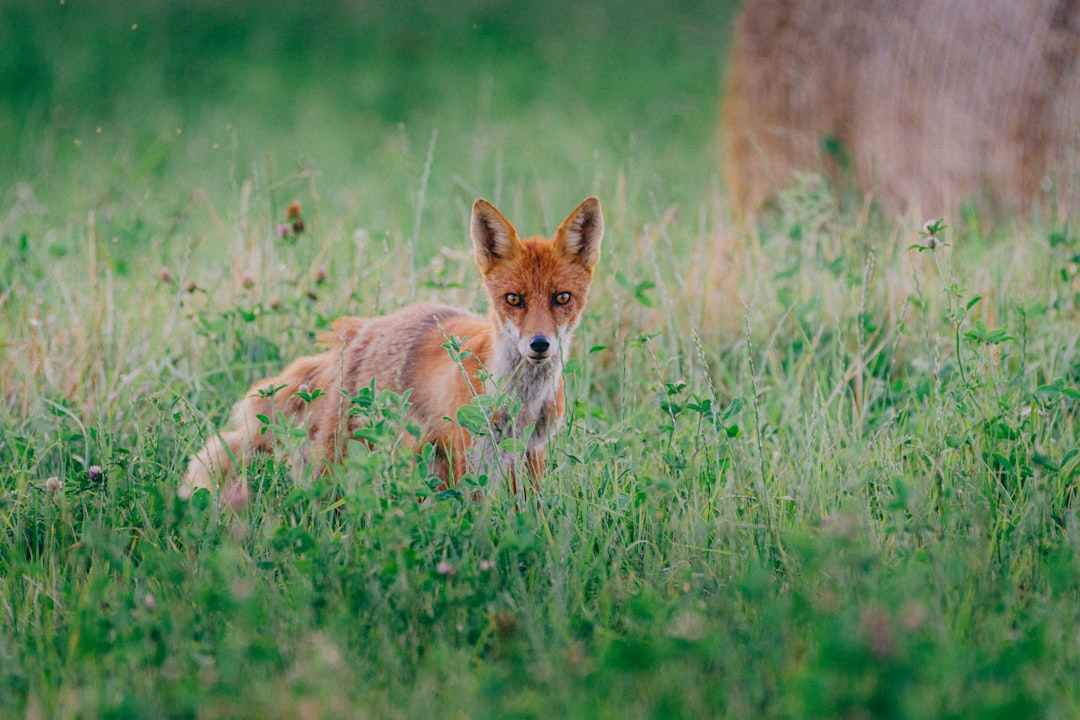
642,288
473,419
309,396
512,445
293,496
270,390
733,409
983,334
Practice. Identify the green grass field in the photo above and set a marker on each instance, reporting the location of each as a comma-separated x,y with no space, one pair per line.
808,471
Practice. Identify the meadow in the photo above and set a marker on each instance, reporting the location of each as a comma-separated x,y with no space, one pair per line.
824,466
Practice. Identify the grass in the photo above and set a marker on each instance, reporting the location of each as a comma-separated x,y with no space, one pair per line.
809,471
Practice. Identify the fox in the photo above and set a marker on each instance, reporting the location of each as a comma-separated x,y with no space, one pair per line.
537,289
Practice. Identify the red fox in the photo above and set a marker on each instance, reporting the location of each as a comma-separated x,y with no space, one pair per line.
536,288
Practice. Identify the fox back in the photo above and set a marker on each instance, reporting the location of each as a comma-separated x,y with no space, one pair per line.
537,289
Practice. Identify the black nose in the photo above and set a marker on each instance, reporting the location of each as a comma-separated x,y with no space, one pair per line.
539,344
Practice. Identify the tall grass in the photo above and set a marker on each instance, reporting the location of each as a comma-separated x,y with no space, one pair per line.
813,468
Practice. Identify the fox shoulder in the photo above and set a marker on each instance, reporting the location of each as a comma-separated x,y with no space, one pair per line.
342,332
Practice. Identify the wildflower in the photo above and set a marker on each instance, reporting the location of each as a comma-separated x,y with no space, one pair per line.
283,230
486,565
913,615
242,588
293,211
235,496
165,275
687,625
840,526
54,485
192,286
505,623
304,388
931,236
934,227
95,474
444,568
320,275
149,602
877,626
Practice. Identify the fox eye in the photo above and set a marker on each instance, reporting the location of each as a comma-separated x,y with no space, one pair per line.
514,300
561,298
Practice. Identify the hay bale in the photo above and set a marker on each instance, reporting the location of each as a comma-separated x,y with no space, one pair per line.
924,103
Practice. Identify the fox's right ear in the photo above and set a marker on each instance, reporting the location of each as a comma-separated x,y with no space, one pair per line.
494,238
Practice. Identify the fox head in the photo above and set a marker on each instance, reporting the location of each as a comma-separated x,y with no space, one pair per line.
537,287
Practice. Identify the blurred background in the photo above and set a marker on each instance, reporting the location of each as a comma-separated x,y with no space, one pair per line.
108,101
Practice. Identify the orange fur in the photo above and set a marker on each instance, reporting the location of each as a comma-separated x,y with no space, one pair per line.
537,289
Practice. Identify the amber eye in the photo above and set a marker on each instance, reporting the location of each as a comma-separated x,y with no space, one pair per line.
514,300
561,298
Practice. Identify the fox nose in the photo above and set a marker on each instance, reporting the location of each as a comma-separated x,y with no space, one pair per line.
539,344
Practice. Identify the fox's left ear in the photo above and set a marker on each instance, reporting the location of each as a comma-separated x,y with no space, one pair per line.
580,233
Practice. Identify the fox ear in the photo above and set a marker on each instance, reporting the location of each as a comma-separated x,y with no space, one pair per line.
580,233
494,238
